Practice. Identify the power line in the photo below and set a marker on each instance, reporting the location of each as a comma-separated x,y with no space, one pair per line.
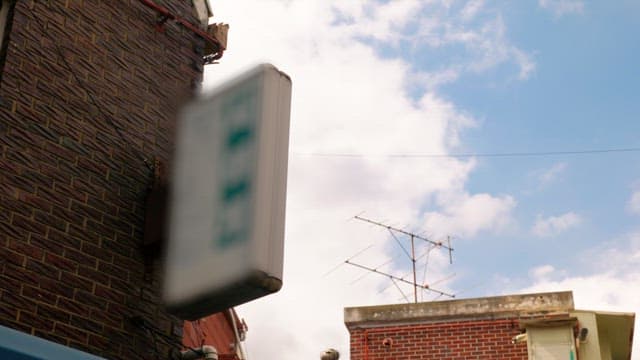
59,51
470,155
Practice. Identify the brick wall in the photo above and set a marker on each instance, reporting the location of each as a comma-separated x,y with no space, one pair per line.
217,330
452,340
72,190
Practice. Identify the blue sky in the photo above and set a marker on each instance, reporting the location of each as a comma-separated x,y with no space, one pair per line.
581,96
379,78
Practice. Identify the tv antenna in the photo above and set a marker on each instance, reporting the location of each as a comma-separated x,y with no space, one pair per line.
412,256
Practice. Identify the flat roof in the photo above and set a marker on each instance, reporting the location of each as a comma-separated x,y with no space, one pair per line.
494,307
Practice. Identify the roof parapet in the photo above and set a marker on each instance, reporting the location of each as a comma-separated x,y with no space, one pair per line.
496,307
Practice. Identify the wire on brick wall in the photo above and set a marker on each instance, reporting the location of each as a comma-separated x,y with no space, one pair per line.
158,335
92,99
155,343
169,340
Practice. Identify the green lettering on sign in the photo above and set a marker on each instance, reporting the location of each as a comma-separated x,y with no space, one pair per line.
239,137
232,191
236,165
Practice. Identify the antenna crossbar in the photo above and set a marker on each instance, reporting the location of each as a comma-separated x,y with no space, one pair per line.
424,287
391,228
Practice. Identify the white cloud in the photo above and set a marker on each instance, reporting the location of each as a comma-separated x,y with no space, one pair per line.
543,178
349,99
492,45
554,225
524,61
466,215
476,26
633,205
432,80
486,44
541,272
562,7
553,173
471,9
383,22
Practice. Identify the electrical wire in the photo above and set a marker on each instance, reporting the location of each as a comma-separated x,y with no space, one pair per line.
473,155
90,96
154,333
155,343
167,340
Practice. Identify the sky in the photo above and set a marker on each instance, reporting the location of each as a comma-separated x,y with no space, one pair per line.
399,109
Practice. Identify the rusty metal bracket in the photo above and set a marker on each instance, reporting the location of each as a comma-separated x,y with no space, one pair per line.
166,15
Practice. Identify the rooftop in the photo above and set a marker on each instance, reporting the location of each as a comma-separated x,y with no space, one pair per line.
495,307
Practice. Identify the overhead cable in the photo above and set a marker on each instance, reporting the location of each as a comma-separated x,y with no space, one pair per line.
472,155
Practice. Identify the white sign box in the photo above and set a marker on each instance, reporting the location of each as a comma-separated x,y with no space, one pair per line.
228,195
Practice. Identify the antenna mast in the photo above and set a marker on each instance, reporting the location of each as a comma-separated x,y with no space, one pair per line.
411,256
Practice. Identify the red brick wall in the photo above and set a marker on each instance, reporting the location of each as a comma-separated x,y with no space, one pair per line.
72,190
463,340
216,330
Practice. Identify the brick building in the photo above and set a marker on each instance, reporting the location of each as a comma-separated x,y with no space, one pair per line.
542,326
89,91
224,330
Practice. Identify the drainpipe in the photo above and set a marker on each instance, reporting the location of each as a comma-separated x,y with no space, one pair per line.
206,352
365,339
